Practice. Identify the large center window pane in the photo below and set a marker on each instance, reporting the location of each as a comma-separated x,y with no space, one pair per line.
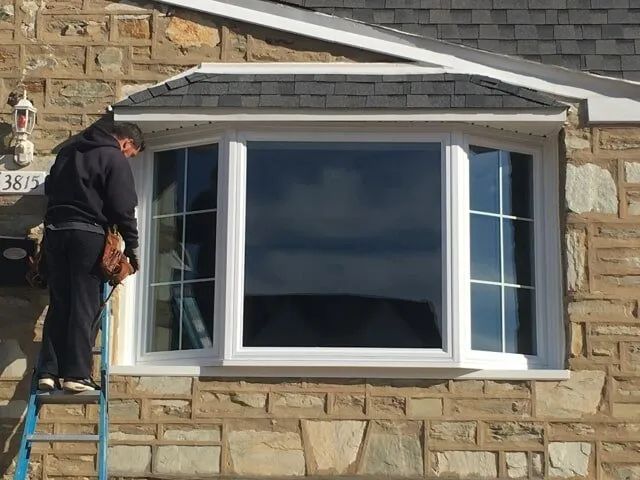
343,245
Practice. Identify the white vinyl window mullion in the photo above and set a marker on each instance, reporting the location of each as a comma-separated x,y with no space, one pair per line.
184,246
501,229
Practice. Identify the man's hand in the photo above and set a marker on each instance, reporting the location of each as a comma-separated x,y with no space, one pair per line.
132,254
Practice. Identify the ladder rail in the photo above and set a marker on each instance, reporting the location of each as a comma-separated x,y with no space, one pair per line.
37,399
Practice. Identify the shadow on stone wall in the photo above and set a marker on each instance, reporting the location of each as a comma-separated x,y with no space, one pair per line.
22,311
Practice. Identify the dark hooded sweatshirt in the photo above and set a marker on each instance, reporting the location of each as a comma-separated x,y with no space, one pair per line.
91,183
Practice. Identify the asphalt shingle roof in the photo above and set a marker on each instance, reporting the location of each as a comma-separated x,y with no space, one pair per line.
339,91
600,36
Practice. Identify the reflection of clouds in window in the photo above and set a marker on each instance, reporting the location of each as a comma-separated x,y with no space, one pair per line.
331,219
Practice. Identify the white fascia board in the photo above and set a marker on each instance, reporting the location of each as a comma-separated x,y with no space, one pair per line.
454,58
205,115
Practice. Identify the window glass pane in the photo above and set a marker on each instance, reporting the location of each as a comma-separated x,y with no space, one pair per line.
165,316
202,178
517,184
518,252
197,315
486,317
484,179
519,318
168,182
485,248
343,245
201,246
167,253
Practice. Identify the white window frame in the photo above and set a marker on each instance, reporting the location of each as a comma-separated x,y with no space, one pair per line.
228,351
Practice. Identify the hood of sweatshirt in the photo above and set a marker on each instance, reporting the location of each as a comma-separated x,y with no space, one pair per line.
95,137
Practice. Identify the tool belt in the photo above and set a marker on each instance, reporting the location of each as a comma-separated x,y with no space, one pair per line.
114,265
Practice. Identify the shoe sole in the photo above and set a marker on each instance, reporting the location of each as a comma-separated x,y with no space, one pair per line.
75,387
46,384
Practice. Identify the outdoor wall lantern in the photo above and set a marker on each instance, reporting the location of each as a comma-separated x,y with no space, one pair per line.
24,119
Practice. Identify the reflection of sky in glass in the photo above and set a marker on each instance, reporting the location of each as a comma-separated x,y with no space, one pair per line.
344,218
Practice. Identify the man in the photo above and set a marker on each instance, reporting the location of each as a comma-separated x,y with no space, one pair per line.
89,188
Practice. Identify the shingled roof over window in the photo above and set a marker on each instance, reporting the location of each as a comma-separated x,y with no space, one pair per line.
600,36
339,91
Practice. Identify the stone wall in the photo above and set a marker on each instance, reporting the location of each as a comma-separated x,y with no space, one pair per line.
75,57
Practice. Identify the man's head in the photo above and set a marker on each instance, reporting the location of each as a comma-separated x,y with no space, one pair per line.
129,137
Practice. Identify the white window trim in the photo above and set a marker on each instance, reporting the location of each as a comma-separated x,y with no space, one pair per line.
228,355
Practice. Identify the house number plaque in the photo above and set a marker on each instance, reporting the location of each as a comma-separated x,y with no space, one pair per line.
22,183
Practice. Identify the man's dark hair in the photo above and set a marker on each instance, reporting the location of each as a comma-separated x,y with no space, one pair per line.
124,130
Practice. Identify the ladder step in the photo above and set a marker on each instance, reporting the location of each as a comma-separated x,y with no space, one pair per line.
60,396
39,437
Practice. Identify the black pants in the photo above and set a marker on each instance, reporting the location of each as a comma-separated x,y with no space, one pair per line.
74,290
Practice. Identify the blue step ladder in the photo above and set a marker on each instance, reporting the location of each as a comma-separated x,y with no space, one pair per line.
100,397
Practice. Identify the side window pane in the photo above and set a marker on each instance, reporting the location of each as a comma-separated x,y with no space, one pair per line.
183,244
168,182
502,251
486,311
343,245
484,179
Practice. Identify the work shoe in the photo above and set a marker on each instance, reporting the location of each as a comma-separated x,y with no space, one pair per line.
48,382
76,385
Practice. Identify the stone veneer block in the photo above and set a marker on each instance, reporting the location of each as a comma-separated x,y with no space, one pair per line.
333,446
425,407
263,453
187,460
394,449
162,385
632,172
190,433
463,464
573,398
517,466
458,432
129,459
299,401
576,259
590,188
569,459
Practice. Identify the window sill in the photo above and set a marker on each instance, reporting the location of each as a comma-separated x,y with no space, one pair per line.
451,373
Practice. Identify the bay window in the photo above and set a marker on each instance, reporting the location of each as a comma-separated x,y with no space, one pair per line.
353,248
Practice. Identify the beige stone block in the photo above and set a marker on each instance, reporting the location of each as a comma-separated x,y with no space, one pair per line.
590,188
63,412
425,407
456,432
71,465
468,386
42,59
170,409
626,410
577,139
461,464
621,471
393,449
129,459
189,35
9,55
619,139
209,403
124,409
388,406
508,388
517,466
577,339
266,453
537,465
75,28
558,430
345,404
110,60
311,403
137,433
186,460
490,407
615,330
621,447
576,251
134,27
162,386
573,398
89,94
333,446
619,232
632,172
191,433
569,459
515,432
